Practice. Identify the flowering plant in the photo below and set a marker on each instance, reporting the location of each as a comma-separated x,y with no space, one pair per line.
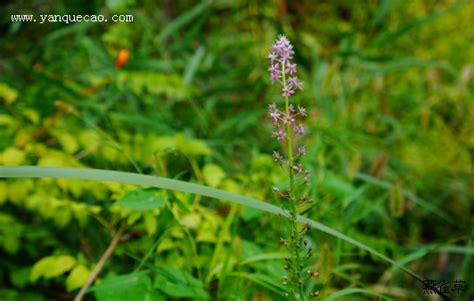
287,126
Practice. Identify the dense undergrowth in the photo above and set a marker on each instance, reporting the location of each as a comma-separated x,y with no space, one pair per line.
389,143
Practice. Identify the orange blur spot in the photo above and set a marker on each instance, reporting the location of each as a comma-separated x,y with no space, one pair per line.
122,58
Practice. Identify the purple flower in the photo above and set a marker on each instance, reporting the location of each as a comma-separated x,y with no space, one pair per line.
274,116
272,107
282,40
276,156
286,53
282,49
279,134
282,67
274,68
275,72
299,129
275,76
301,111
293,80
288,118
287,91
282,53
272,56
290,68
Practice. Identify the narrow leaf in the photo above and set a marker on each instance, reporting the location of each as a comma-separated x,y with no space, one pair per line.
164,183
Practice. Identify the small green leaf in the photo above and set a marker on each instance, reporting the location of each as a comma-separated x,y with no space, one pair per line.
191,147
13,156
129,287
213,175
62,217
151,223
77,278
8,94
52,266
68,142
142,199
41,267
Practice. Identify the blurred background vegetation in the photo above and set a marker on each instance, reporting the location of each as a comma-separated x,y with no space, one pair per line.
182,92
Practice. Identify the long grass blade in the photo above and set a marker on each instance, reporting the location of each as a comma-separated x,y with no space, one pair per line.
352,291
169,184
184,19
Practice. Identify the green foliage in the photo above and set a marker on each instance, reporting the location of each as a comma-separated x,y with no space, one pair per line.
178,283
8,94
51,267
213,175
142,199
135,286
77,278
10,233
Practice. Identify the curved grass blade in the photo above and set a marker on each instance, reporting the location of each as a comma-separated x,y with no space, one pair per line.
352,290
184,19
165,183
263,257
262,280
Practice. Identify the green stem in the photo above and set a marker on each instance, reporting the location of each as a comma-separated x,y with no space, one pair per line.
295,237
